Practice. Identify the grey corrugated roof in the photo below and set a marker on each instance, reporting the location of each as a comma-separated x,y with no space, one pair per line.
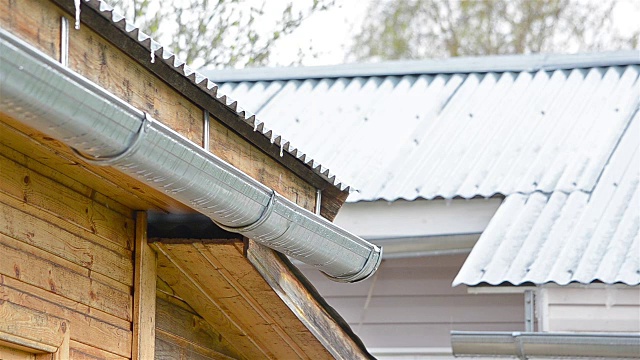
164,63
546,138
454,135
563,237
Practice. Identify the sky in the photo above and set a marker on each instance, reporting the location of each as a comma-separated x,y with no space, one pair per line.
329,33
325,37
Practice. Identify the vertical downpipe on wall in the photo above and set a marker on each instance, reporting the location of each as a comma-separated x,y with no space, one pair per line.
205,131
318,201
528,310
64,41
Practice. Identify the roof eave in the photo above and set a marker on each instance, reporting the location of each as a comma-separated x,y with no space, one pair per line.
455,65
165,65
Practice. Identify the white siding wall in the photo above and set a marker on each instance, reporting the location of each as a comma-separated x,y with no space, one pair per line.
589,308
410,307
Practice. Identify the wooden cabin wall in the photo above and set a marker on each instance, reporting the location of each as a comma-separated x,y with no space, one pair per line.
67,229
92,56
182,334
65,258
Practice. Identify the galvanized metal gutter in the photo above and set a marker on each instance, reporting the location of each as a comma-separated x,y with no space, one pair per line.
524,345
126,36
106,131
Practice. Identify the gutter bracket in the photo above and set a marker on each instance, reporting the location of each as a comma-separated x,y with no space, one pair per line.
263,217
129,150
64,41
517,339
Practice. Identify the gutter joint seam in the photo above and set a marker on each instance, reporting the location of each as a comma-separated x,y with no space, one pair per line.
263,217
129,150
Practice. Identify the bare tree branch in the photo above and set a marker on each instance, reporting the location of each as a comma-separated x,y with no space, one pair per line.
414,29
217,33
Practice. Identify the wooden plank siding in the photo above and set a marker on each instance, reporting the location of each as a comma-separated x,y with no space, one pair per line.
30,328
410,303
98,60
70,242
247,313
11,353
66,255
308,307
183,334
106,182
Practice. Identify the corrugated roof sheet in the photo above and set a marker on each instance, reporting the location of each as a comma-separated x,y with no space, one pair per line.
560,142
156,52
454,65
456,135
564,237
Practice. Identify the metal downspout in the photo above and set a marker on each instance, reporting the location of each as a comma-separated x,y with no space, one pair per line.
109,132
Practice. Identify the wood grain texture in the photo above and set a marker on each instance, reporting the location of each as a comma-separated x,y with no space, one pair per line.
47,194
9,352
303,304
105,180
92,327
101,62
80,351
242,346
29,229
175,347
75,262
231,148
144,294
231,286
31,328
165,293
39,22
43,299
203,99
98,60
54,173
237,271
332,201
46,271
183,331
234,302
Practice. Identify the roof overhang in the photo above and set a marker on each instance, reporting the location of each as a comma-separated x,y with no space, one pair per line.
127,37
254,297
419,227
105,131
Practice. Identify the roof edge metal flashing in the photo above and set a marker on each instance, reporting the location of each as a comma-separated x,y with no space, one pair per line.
49,97
540,344
454,65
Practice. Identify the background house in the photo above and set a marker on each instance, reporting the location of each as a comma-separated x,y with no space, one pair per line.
104,138
536,156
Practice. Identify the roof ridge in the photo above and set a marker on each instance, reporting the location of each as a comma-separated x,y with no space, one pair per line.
472,64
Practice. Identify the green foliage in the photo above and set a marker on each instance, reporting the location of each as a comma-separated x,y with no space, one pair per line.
415,29
217,33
